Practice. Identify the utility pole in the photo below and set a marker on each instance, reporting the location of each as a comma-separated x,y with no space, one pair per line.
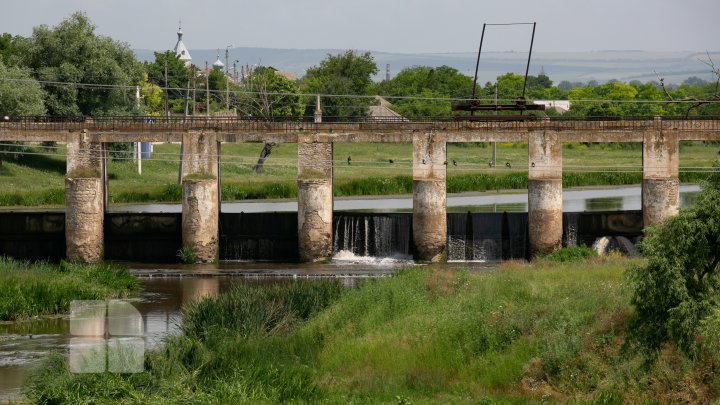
494,157
194,80
166,89
227,77
207,89
138,149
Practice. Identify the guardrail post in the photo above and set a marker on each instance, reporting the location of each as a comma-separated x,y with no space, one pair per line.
315,198
84,198
544,191
200,199
661,184
429,196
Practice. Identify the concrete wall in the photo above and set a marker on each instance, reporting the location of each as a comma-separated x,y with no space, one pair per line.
84,199
660,186
544,191
201,200
315,199
429,196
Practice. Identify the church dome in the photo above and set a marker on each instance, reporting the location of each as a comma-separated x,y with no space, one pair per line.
181,50
218,64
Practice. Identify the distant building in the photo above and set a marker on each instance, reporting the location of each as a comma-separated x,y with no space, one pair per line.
561,106
382,112
181,50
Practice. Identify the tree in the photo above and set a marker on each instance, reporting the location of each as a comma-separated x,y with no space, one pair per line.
152,96
178,77
607,91
20,95
10,47
343,74
73,53
426,83
265,93
678,287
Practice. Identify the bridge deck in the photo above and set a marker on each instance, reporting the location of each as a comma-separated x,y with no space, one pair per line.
132,129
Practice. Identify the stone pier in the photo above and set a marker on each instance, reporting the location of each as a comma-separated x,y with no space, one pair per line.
429,198
315,198
660,185
544,191
200,198
84,199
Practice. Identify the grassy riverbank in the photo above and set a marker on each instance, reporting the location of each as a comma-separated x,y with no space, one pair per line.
524,333
33,289
38,179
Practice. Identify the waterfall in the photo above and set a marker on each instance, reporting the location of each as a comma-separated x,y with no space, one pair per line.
487,236
376,235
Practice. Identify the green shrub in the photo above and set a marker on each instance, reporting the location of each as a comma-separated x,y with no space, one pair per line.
572,254
678,287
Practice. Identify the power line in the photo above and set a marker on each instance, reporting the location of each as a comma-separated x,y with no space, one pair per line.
220,93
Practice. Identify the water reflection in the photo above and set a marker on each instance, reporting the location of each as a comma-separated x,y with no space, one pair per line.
196,289
604,204
24,344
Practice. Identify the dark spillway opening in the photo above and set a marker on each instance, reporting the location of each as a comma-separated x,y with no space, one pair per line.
33,235
267,236
143,237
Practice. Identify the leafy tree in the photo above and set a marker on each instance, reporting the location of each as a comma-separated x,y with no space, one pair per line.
178,77
152,96
269,94
426,82
72,52
679,285
607,91
10,47
21,95
343,74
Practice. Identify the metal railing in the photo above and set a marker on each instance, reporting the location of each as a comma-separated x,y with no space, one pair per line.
361,123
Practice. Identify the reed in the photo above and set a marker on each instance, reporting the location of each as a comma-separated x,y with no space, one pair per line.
32,289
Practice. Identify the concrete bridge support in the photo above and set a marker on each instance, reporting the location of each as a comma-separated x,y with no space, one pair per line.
660,186
429,196
200,197
315,199
84,198
544,191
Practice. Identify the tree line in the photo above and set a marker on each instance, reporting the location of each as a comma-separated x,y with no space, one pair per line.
50,72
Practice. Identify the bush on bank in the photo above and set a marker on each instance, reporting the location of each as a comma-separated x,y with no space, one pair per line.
30,289
679,286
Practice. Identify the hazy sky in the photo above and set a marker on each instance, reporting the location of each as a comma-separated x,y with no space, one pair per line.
388,25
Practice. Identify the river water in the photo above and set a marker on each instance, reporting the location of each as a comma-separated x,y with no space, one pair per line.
574,200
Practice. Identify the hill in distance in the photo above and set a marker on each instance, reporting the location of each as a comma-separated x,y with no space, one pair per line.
571,66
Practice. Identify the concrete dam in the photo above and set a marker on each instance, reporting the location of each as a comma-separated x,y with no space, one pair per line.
315,231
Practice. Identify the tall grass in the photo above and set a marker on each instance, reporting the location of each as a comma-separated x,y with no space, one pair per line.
545,332
31,289
248,310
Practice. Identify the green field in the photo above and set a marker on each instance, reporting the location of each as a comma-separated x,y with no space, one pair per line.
524,333
37,179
